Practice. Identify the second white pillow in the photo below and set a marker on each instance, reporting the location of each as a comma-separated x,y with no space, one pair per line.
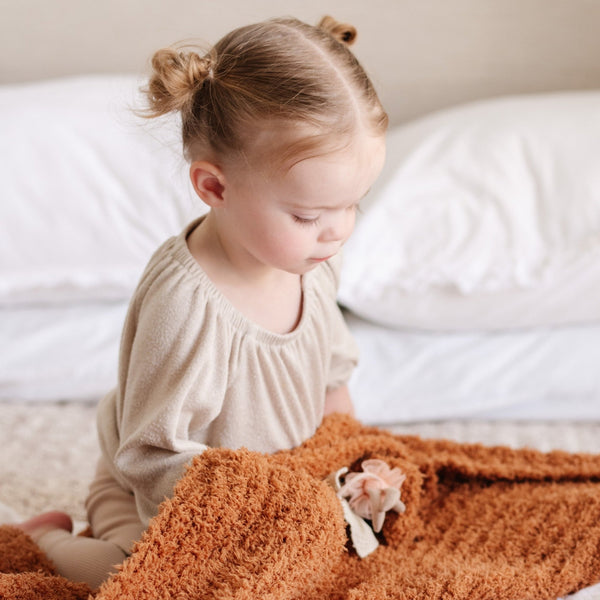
487,216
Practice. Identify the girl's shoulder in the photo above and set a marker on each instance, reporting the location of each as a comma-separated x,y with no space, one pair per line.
173,281
172,260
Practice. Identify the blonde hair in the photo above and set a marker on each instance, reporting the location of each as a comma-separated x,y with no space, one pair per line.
281,70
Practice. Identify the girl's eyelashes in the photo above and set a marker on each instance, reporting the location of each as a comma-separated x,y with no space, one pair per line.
305,221
315,220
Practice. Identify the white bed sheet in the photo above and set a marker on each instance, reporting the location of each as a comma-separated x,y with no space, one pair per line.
70,353
546,373
59,352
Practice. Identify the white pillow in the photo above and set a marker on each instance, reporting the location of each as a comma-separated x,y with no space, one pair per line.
487,217
89,190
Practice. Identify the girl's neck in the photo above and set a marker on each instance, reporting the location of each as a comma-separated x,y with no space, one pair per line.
218,256
267,296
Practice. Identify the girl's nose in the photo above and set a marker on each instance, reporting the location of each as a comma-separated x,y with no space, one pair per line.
339,228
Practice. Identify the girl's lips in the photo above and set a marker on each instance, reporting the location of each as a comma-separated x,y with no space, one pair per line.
321,259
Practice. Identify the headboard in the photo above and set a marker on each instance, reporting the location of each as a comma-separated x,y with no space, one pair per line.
422,54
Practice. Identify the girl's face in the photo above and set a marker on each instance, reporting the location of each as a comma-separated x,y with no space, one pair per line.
296,219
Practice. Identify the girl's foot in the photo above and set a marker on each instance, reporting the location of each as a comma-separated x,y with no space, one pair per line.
41,524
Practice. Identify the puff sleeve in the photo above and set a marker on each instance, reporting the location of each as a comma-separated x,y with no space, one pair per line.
169,391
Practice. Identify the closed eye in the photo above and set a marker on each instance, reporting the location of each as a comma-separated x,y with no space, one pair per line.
305,221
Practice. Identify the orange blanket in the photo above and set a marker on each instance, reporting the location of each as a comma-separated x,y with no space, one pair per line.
480,523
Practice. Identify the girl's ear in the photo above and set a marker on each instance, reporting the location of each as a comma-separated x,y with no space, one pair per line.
208,181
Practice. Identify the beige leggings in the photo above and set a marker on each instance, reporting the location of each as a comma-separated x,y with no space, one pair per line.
115,523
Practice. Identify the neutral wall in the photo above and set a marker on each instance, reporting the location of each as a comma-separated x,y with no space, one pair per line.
422,54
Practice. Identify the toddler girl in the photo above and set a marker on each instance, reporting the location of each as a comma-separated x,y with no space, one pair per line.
233,337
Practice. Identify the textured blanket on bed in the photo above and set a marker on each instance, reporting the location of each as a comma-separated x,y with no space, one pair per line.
480,523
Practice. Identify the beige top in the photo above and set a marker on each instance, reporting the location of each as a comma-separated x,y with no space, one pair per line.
195,372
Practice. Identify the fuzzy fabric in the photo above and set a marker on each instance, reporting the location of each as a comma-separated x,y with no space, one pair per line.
480,523
26,573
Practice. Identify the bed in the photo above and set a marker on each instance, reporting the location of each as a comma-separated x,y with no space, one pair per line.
471,283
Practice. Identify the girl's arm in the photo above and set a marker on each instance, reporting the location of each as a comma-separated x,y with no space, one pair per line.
344,352
168,385
338,401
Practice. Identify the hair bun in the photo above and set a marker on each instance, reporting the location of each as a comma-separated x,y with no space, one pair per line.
176,76
342,32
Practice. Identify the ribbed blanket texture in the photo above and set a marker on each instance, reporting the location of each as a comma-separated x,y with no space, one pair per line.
480,523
